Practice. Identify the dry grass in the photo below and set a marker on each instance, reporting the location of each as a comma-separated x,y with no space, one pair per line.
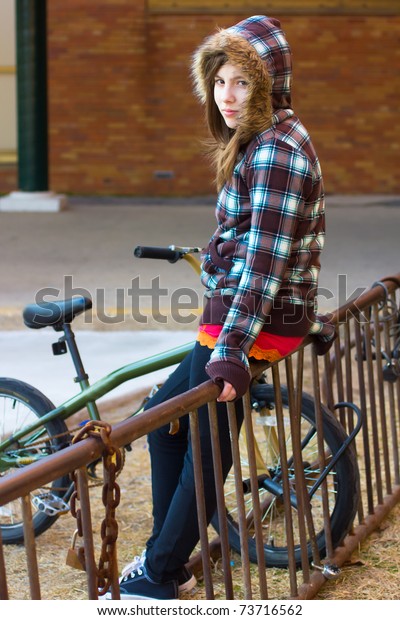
372,575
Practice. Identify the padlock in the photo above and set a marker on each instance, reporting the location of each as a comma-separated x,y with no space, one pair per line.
74,558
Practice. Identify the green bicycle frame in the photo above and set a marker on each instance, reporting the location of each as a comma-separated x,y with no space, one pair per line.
90,394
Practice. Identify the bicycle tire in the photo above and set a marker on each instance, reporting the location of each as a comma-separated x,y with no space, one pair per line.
21,404
343,489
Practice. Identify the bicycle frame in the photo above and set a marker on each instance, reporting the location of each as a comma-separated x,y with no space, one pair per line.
90,394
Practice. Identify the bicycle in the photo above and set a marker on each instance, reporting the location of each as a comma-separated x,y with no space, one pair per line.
32,427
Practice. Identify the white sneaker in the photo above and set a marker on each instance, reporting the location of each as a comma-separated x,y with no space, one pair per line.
186,580
136,563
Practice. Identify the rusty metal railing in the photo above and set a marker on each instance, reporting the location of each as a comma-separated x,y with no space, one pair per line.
282,505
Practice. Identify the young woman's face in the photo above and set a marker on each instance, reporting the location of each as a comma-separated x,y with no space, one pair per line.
230,93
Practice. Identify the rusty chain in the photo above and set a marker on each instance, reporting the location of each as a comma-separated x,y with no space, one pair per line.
112,462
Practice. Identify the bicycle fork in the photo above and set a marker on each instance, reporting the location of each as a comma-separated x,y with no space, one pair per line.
273,484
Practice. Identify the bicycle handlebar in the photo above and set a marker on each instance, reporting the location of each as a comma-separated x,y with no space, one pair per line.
143,251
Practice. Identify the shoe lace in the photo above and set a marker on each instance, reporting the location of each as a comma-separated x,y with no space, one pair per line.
132,574
133,566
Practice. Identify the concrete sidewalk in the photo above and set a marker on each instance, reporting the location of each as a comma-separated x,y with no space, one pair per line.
28,356
89,249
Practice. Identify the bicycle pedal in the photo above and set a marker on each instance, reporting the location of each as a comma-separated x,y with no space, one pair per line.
50,504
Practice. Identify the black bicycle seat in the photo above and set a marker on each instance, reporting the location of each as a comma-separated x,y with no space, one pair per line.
55,313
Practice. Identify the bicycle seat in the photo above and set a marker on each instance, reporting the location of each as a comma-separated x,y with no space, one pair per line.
55,313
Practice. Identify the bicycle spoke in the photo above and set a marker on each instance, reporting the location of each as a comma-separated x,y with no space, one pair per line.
22,405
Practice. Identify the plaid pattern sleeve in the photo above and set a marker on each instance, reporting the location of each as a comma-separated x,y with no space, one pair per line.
280,178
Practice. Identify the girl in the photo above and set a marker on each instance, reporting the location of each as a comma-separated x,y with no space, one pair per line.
260,273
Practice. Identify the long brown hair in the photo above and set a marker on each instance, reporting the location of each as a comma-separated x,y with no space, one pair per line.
225,144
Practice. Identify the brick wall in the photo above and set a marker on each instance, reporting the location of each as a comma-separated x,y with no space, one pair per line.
97,89
8,178
123,119
345,84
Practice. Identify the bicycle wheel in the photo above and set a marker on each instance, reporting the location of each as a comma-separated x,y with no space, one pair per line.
342,481
20,406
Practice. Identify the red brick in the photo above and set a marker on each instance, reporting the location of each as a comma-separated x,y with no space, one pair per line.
121,105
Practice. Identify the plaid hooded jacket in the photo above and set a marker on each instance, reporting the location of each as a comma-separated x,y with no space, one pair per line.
261,266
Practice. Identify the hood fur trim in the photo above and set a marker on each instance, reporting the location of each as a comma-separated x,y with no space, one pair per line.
257,114
238,51
259,47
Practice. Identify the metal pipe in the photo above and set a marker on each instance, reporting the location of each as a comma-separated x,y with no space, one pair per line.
257,515
81,375
31,40
392,409
219,489
3,575
30,548
349,376
302,496
381,397
87,533
237,468
321,453
373,415
285,480
365,426
200,502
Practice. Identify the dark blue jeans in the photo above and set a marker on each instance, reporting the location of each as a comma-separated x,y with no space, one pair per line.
175,529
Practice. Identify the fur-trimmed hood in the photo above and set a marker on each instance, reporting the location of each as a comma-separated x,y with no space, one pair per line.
259,46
